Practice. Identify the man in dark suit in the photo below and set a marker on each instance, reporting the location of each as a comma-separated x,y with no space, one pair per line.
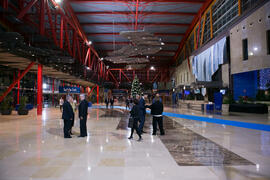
142,112
83,107
157,111
67,115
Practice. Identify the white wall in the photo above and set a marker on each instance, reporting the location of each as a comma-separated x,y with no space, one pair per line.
253,28
183,75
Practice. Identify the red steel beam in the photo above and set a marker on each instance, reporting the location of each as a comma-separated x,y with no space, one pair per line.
41,17
130,13
156,76
27,7
117,34
192,25
149,1
162,51
136,16
113,76
130,24
166,43
16,81
125,75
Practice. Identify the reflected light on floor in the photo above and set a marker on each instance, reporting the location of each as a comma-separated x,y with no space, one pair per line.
257,167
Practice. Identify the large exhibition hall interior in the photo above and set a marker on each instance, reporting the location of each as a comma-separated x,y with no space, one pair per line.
134,90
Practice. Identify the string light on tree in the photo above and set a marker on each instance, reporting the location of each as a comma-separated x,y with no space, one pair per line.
135,89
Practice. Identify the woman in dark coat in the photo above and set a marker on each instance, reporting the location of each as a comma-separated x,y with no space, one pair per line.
136,117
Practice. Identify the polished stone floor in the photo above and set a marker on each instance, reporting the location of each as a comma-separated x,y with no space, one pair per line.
33,147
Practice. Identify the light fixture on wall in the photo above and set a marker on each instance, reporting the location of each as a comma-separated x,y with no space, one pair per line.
255,49
251,53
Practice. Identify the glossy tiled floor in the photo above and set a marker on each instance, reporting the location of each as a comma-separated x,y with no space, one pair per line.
34,148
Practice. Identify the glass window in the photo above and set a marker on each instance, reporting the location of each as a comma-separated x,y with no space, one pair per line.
245,49
268,41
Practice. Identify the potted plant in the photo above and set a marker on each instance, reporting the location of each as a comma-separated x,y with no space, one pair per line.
22,107
6,105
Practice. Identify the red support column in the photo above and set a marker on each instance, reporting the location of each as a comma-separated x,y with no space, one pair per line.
97,94
120,75
41,18
61,32
39,90
18,90
53,92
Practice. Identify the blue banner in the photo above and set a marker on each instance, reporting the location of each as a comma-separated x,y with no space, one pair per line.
218,101
68,89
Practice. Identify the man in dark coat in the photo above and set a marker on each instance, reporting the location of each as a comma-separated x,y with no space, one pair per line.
67,115
83,108
142,112
156,111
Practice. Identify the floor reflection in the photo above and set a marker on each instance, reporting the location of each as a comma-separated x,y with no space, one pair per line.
191,149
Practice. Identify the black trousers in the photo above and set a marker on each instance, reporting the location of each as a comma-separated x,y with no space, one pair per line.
67,126
83,128
135,127
159,121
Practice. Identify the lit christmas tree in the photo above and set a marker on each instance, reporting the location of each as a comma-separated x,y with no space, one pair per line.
135,89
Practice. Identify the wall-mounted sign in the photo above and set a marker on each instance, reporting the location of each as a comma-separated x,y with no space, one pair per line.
68,89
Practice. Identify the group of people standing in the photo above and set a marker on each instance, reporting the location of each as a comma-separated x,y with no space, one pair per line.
138,113
68,109
109,100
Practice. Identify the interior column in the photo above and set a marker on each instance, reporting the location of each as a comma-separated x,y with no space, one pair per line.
39,90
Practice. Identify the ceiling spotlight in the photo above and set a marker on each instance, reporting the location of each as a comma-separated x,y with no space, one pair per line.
102,59
251,54
58,1
160,48
107,67
88,68
89,42
152,68
147,57
162,43
255,48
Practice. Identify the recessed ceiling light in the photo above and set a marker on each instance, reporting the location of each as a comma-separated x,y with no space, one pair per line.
162,43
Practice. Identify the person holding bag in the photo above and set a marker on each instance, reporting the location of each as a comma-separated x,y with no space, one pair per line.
133,121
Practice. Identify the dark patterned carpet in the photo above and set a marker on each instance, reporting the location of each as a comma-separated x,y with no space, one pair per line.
186,147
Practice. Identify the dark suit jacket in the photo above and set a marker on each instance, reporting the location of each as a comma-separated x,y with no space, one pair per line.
67,111
156,108
83,108
142,106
